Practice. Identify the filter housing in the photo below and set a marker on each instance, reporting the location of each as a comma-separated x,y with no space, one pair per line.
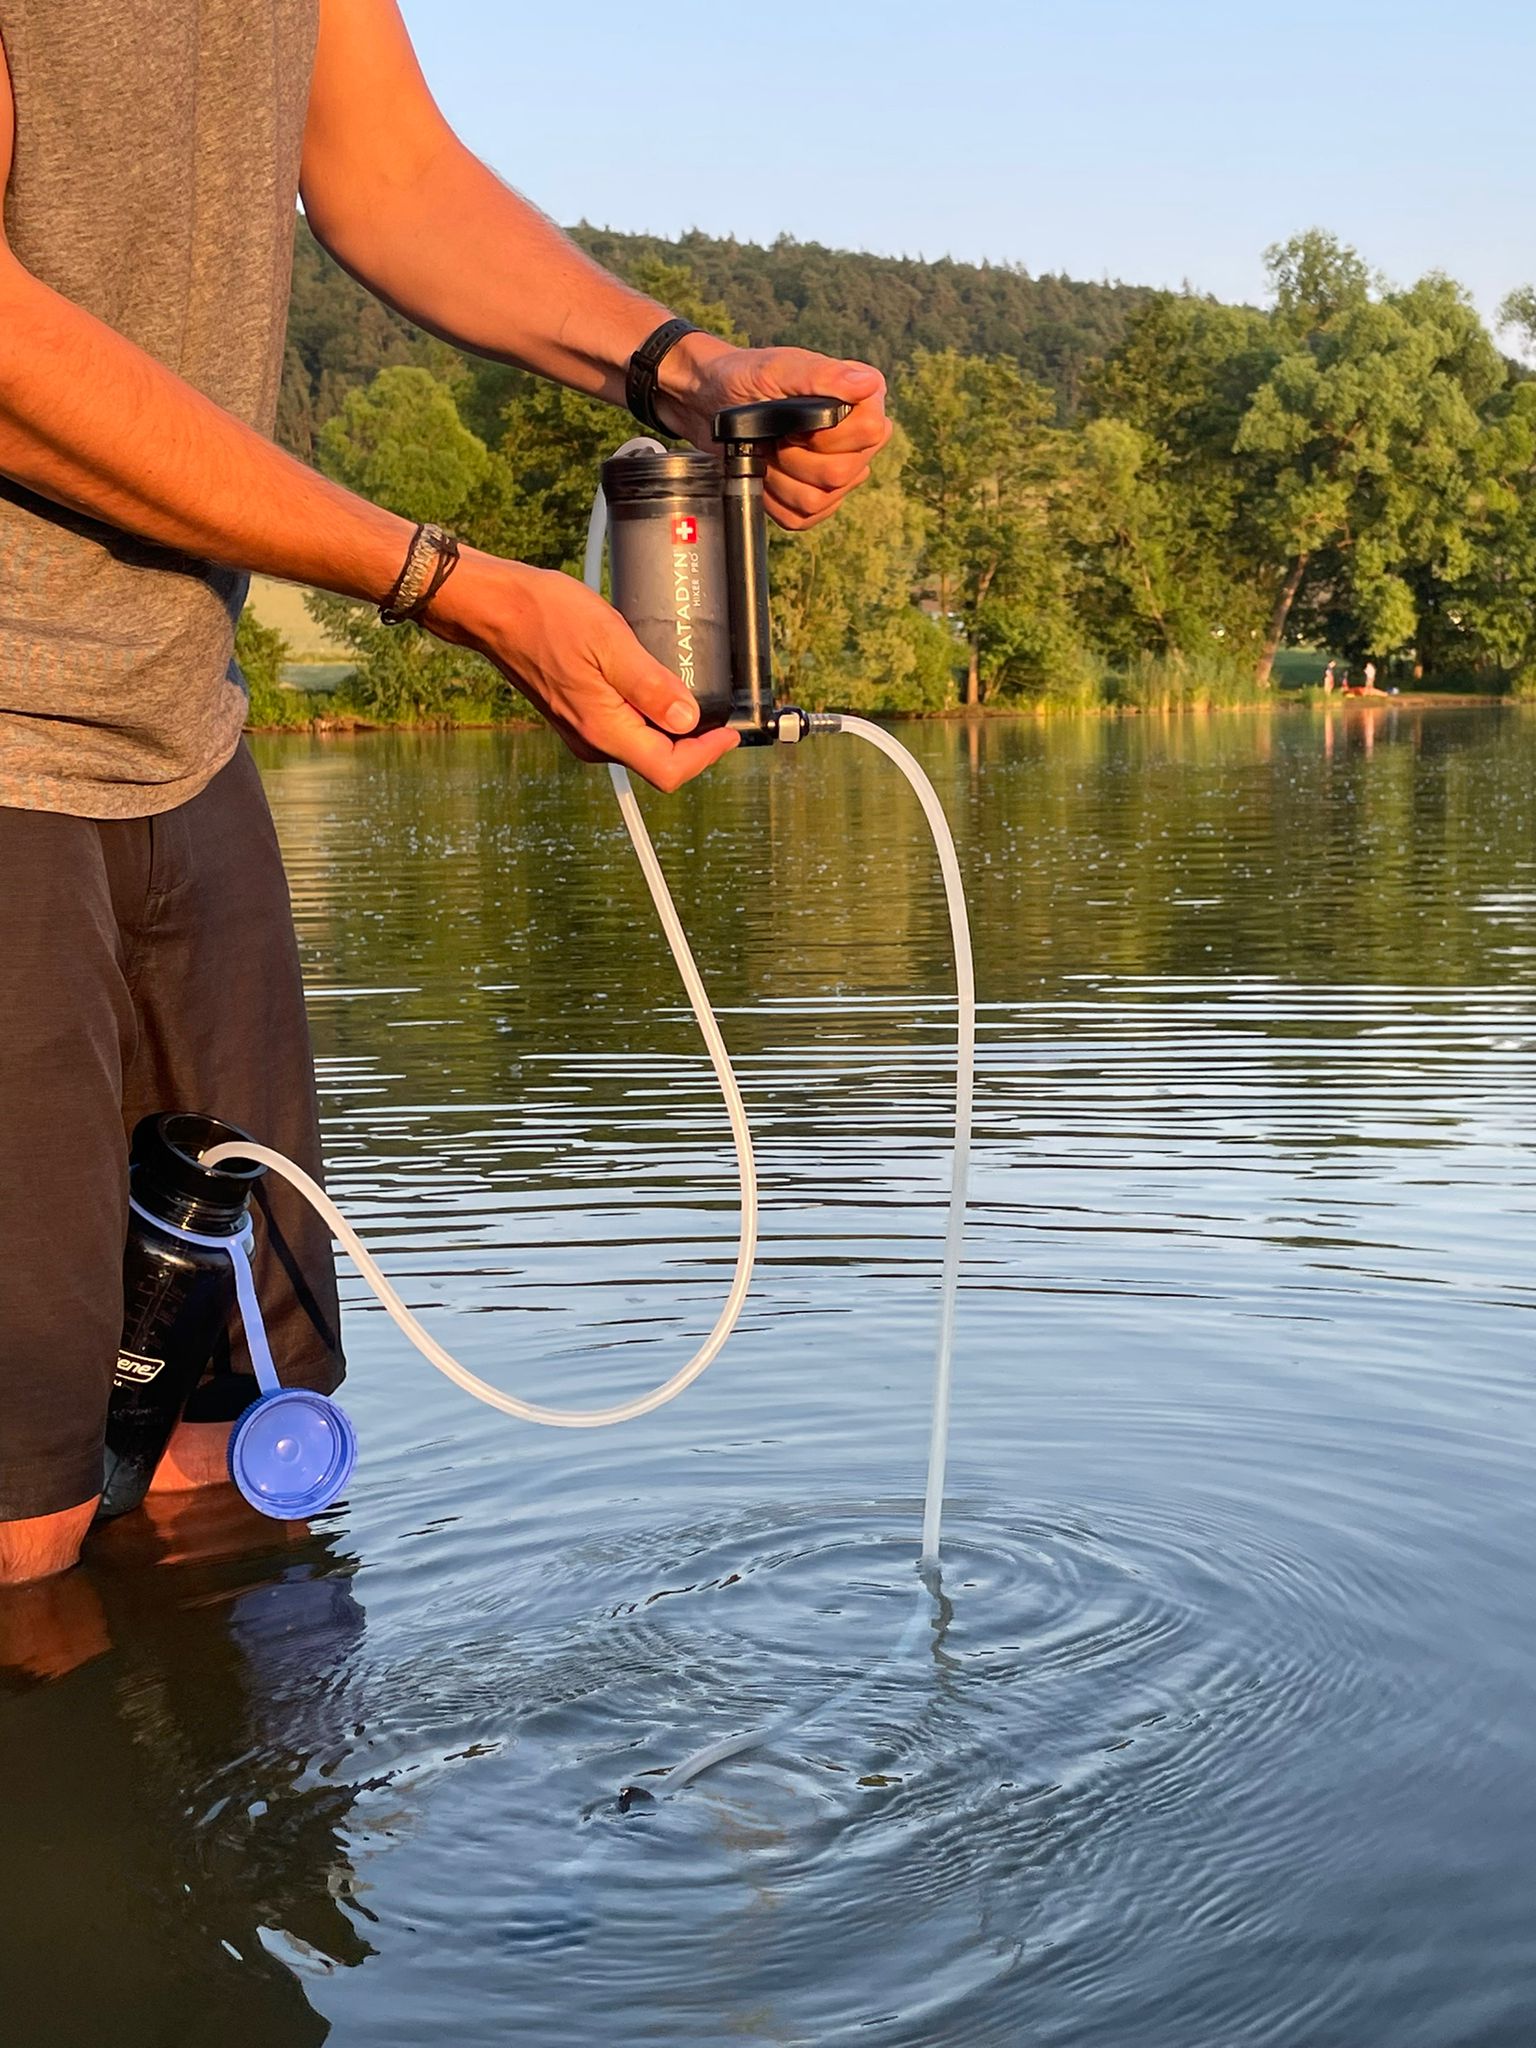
666,555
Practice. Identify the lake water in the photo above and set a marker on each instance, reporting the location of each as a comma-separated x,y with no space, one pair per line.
1224,1731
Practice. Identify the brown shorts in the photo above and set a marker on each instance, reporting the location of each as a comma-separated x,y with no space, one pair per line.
145,964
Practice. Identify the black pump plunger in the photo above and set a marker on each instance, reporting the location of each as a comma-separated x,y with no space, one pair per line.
688,552
747,434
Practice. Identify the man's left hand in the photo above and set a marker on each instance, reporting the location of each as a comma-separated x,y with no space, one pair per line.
810,475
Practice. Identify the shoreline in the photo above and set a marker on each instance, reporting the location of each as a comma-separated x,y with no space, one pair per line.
351,724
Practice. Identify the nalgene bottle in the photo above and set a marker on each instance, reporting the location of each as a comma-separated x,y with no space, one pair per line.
177,1297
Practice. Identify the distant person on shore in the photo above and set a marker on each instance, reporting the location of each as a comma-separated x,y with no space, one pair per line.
1370,679
151,161
1328,680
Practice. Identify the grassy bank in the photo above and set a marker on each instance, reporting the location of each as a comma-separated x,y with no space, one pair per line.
409,682
280,707
289,710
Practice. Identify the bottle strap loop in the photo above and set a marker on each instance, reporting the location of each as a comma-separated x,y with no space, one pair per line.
238,1249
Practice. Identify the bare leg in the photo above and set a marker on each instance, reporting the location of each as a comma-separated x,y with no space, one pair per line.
42,1545
196,1456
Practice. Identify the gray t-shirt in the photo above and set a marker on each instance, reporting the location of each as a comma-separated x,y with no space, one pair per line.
155,184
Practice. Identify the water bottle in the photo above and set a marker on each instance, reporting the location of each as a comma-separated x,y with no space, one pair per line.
177,1296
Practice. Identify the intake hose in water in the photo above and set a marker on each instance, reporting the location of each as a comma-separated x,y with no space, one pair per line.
746,1248
643,1404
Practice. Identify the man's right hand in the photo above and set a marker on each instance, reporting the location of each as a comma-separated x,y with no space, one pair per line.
577,662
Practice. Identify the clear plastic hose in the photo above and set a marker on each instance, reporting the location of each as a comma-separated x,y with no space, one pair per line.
965,1088
643,1404
746,1248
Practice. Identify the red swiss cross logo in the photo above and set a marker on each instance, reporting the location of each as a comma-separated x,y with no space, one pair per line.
685,532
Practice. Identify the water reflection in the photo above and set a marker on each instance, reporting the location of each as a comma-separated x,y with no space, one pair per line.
1226,1739
176,1858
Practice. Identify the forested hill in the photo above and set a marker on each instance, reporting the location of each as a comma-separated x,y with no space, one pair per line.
885,307
1353,466
879,307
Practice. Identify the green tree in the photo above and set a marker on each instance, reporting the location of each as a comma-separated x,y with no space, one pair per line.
1355,463
403,675
1171,562
1134,590
400,441
846,631
982,468
262,653
339,337
1031,647
1358,444
1319,460
1519,311
1483,619
1314,278
842,302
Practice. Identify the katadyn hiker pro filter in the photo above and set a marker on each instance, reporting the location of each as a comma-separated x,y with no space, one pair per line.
688,560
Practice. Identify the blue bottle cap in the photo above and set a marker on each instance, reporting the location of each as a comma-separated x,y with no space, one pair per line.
291,1453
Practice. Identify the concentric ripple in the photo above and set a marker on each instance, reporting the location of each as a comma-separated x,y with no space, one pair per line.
1072,1710
1210,1704
1217,1732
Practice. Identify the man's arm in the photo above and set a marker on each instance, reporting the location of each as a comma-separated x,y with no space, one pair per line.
397,198
97,425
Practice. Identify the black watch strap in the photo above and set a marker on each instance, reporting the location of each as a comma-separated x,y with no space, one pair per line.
640,380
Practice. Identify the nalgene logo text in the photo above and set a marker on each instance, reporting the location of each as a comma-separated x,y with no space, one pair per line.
134,1371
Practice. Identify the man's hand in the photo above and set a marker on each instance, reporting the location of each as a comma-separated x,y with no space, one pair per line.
810,475
94,423
402,204
577,662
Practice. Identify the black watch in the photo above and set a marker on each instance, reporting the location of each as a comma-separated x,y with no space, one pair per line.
640,380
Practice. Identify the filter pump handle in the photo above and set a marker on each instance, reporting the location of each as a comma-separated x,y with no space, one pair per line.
743,427
747,434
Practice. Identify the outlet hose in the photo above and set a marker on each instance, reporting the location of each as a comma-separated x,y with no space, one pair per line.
643,1404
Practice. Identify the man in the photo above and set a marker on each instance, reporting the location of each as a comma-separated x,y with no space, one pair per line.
151,162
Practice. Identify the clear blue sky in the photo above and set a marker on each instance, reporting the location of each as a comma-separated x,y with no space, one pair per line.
1104,138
